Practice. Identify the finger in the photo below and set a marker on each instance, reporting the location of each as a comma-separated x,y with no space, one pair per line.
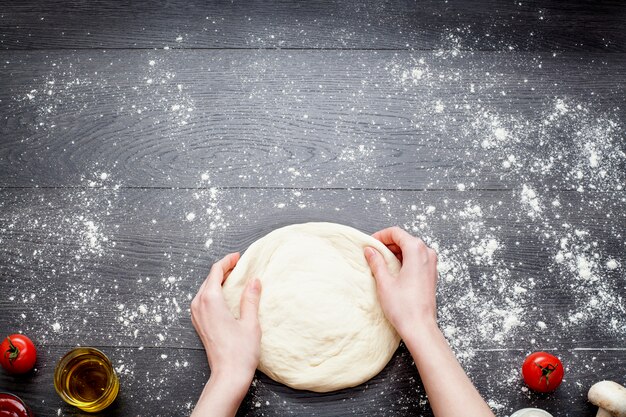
215,274
249,304
231,261
221,268
394,236
226,275
377,264
394,248
204,285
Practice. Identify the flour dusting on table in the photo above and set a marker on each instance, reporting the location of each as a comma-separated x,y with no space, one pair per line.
511,192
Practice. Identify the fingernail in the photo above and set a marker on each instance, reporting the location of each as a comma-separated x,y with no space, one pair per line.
369,252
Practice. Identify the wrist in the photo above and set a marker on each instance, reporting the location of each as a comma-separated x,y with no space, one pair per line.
420,333
222,394
232,383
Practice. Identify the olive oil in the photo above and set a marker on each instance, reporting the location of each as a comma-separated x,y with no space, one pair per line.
85,378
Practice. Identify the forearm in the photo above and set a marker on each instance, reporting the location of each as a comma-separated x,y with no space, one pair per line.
221,396
450,392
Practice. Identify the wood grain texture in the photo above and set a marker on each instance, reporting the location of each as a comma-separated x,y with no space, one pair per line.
168,382
127,168
323,119
455,24
104,264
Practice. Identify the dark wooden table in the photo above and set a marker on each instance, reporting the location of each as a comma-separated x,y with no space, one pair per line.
140,142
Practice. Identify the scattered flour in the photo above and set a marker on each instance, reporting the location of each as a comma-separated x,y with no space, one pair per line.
530,200
612,264
486,247
484,250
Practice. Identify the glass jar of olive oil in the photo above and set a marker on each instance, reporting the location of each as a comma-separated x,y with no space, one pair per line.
85,378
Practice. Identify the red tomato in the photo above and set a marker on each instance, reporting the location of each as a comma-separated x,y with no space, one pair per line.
542,372
17,354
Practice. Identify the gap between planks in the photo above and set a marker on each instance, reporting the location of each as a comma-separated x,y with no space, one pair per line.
232,187
248,49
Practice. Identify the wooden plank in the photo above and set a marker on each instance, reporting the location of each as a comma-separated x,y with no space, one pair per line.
166,382
120,267
323,119
455,24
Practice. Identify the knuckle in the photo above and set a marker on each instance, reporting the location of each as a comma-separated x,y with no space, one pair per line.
250,300
398,229
378,268
197,305
206,297
373,260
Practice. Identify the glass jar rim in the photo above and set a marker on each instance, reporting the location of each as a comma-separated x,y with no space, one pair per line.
111,383
22,402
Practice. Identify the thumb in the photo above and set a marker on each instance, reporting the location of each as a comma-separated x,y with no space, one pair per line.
249,304
377,264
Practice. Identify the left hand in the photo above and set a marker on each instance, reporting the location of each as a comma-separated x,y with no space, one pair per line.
233,346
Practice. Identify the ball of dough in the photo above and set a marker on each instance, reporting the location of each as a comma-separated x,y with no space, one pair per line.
323,328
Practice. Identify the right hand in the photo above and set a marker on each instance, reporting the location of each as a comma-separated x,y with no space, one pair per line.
408,297
408,300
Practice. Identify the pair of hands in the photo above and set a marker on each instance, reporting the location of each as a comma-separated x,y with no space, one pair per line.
234,346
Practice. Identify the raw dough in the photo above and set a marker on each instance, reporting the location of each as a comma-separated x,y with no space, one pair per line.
323,328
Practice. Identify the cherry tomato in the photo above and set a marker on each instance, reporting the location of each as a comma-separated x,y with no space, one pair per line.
542,372
17,354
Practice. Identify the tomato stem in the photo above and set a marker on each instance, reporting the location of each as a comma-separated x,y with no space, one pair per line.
13,351
546,371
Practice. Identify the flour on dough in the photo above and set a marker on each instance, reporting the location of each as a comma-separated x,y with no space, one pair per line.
323,328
